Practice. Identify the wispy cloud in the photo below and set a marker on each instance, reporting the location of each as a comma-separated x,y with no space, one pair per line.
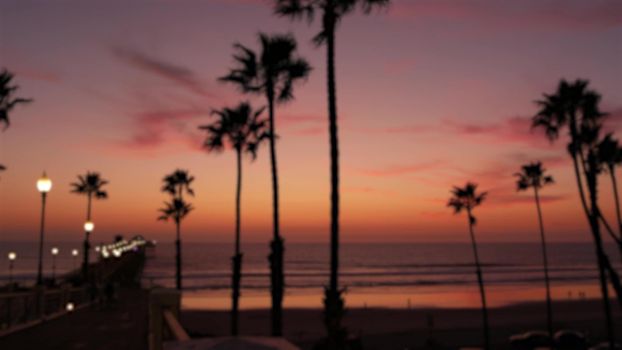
153,129
182,76
510,130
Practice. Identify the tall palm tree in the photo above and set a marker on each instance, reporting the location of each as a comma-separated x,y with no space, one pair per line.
243,129
176,184
177,209
533,176
610,155
7,101
272,74
91,185
467,198
575,108
332,12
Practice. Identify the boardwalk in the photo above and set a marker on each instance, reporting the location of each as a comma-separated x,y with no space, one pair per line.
120,325
113,317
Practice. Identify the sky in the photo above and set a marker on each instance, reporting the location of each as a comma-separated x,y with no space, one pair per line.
431,94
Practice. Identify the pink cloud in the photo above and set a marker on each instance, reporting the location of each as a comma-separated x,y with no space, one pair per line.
511,130
37,74
153,129
400,66
182,76
398,170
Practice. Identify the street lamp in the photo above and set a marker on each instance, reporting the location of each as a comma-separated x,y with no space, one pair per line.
54,254
74,253
44,185
12,256
88,228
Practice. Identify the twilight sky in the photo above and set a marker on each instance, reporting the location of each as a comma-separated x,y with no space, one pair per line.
431,94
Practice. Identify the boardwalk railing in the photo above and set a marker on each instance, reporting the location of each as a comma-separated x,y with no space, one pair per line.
22,309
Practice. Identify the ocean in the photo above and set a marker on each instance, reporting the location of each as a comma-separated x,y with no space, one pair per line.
405,275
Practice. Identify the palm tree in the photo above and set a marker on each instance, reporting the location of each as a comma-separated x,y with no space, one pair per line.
467,198
271,74
576,108
7,101
244,130
177,209
176,184
332,12
533,176
610,155
91,185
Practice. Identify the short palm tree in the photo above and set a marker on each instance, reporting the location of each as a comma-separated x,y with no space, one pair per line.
467,199
332,12
272,74
176,184
610,155
91,185
7,101
243,129
575,108
177,209
533,176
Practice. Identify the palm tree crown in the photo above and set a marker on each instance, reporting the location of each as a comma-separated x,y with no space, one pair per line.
532,176
90,184
240,127
466,198
573,105
7,102
178,182
332,11
177,209
609,152
273,72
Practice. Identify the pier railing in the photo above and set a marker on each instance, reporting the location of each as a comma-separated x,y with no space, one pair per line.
22,309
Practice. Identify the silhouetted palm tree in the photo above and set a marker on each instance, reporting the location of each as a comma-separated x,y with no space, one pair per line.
532,176
576,108
244,130
7,101
272,73
610,155
467,198
332,12
177,209
176,184
91,186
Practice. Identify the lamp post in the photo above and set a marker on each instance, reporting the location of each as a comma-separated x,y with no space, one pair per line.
54,254
12,256
44,185
74,253
88,228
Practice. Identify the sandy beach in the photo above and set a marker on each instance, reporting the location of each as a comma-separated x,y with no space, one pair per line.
385,328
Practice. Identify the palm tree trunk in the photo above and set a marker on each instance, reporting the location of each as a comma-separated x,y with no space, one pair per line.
86,246
333,301
592,182
178,255
480,281
277,277
545,261
237,257
616,197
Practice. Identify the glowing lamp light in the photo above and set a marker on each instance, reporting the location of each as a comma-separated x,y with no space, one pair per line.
89,226
74,252
98,249
12,256
116,253
69,307
44,184
54,251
